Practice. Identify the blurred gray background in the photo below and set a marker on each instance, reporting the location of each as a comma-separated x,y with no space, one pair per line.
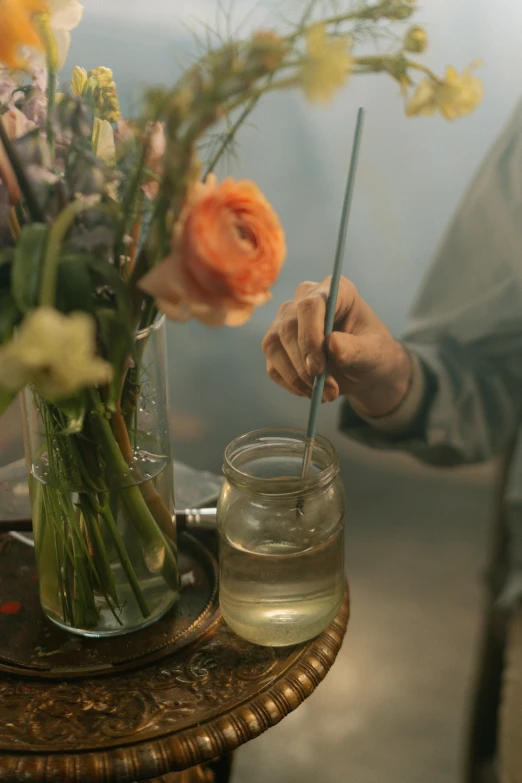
394,708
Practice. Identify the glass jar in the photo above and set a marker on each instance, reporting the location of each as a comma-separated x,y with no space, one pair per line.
281,538
102,501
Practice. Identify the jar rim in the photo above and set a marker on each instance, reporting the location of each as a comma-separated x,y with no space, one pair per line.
293,485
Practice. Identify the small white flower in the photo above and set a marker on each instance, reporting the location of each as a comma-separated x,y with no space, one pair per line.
65,15
55,352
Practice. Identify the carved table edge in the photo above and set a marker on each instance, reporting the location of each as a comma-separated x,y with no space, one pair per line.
195,745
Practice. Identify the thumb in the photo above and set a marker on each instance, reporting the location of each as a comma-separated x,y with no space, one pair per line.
350,352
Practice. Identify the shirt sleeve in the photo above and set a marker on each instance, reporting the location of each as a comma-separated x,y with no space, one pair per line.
465,329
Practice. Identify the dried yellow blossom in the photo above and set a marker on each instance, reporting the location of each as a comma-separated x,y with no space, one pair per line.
18,29
103,89
268,48
327,64
55,352
455,96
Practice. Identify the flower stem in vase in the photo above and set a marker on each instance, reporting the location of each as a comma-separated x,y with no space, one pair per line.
124,559
158,554
104,574
149,492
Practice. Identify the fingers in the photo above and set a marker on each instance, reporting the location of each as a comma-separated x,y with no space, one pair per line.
331,389
288,337
280,348
311,310
310,301
294,344
292,385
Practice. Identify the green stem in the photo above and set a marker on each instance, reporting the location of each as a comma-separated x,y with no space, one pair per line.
57,235
420,67
129,204
156,547
231,133
52,65
101,565
372,13
124,559
86,613
258,92
51,100
102,571
54,517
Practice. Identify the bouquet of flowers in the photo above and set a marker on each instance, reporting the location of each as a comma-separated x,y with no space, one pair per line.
109,224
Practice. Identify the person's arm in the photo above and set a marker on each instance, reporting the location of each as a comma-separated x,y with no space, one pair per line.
466,327
465,332
464,403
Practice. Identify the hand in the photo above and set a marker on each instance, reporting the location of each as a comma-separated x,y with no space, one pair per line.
363,361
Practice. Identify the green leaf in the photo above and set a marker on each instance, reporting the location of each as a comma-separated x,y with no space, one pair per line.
108,275
75,408
6,260
9,316
119,346
6,256
104,273
74,287
27,265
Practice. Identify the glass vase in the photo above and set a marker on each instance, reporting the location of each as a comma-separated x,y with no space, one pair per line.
102,500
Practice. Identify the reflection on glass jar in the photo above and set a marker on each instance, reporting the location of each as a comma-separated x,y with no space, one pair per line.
281,538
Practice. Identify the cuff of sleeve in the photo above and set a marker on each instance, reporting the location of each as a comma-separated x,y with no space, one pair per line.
402,417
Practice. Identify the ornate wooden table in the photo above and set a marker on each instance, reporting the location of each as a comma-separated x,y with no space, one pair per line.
172,697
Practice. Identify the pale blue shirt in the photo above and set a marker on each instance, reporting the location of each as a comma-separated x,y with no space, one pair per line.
466,327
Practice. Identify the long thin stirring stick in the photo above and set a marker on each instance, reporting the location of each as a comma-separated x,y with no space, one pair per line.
331,305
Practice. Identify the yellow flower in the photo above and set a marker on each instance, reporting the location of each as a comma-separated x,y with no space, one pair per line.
55,352
327,64
17,29
455,96
103,88
103,141
424,99
78,81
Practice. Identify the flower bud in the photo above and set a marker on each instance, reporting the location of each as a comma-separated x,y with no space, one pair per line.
415,40
398,9
78,81
267,49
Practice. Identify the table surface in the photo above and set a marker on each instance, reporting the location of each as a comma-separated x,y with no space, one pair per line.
201,693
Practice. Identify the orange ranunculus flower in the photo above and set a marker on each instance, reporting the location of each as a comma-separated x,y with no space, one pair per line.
15,125
227,250
17,29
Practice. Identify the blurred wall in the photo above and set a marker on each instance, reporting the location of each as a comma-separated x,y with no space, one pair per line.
412,174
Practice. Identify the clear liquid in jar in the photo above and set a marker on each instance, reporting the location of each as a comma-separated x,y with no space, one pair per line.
278,593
